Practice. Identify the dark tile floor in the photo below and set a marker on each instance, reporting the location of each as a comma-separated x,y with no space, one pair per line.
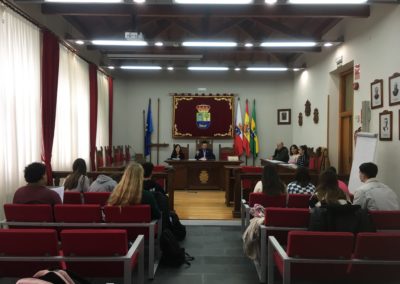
218,258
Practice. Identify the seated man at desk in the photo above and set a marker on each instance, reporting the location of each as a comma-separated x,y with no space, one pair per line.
281,153
204,153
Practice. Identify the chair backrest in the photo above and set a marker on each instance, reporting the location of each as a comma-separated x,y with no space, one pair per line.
160,168
72,197
199,141
96,198
95,242
386,220
27,242
267,200
248,184
99,157
129,214
77,213
298,200
185,151
224,152
319,245
29,212
376,246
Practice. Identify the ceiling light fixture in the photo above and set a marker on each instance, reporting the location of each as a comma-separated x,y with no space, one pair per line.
288,44
158,43
155,56
269,69
237,69
209,44
218,2
111,67
85,1
170,68
328,1
296,69
127,67
80,42
120,42
139,1
205,68
328,44
271,2
248,44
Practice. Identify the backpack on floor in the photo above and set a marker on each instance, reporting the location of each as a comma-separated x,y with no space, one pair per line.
177,228
172,253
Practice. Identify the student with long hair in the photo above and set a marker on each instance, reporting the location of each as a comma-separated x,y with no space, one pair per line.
270,183
129,191
302,183
303,160
78,180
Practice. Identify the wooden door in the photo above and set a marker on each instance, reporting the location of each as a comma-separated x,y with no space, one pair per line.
346,122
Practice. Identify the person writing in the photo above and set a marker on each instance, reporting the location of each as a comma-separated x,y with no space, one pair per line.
281,153
177,153
204,153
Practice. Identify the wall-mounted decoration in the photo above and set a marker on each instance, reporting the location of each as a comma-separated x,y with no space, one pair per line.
284,116
300,119
385,125
307,110
377,94
394,89
208,116
316,116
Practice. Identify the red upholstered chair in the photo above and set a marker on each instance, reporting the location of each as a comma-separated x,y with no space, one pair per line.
28,243
96,198
311,245
298,200
108,152
248,184
77,213
386,220
127,153
28,212
158,169
72,197
99,158
376,246
98,243
224,152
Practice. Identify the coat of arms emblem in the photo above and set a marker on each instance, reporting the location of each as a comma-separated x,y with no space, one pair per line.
203,116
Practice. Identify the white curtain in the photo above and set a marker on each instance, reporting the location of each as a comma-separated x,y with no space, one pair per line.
102,110
71,135
20,110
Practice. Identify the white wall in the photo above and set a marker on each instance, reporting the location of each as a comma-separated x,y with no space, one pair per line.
132,91
374,44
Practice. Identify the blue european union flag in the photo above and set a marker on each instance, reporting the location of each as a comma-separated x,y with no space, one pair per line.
149,131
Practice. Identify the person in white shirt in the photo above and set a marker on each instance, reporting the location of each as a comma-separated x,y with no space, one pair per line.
374,195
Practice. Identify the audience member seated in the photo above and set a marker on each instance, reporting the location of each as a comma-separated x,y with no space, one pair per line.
341,184
303,160
177,153
129,191
302,183
78,180
102,183
294,154
270,183
281,153
204,153
374,195
36,192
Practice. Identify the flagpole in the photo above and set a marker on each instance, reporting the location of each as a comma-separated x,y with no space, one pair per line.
158,130
254,155
144,134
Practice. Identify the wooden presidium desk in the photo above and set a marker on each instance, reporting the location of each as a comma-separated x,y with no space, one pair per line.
193,174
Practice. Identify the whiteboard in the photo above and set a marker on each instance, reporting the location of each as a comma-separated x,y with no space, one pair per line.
365,152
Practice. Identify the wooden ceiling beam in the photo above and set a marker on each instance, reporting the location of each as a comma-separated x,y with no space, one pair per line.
177,11
280,28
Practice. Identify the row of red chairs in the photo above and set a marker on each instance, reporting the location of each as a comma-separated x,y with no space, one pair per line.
279,222
87,252
134,219
74,197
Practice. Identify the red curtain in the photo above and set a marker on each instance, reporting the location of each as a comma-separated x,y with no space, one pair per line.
93,113
50,62
110,110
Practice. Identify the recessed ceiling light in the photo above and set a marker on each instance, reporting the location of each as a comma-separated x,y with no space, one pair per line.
328,44
80,42
237,69
209,44
277,69
111,67
170,68
120,42
205,68
158,43
141,67
85,1
288,44
270,2
296,69
139,1
328,1
248,44
218,2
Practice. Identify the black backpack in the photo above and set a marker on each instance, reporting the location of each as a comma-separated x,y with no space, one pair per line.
172,253
177,228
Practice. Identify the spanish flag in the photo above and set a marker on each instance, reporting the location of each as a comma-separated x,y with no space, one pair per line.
246,131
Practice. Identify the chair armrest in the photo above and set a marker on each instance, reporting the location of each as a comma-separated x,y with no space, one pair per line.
137,246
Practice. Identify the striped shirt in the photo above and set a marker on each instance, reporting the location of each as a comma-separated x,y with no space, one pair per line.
295,188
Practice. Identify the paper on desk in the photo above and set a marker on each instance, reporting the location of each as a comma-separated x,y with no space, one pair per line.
275,161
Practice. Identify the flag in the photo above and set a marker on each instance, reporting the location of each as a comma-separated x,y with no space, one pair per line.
246,131
253,132
149,131
238,131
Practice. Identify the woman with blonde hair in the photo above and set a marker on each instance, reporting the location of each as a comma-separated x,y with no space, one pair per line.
129,191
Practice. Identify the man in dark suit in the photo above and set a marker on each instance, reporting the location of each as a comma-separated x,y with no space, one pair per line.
204,153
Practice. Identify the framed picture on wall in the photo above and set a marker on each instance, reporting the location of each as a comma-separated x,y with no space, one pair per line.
377,94
394,89
284,116
385,125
